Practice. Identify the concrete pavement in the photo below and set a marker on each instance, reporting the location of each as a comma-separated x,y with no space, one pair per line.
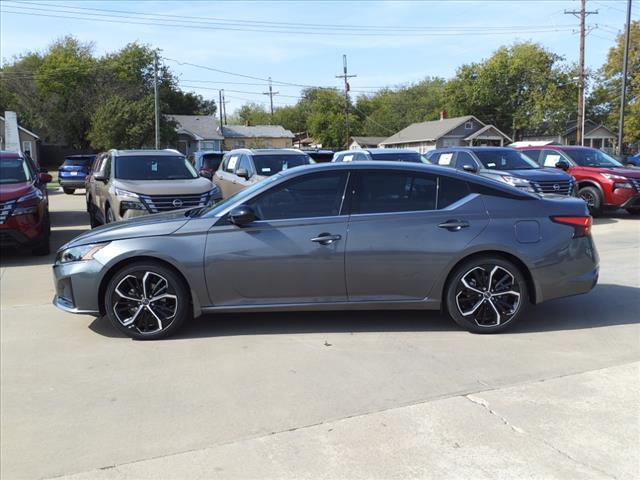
78,397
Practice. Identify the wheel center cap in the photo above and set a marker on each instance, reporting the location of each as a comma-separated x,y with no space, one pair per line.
486,295
145,301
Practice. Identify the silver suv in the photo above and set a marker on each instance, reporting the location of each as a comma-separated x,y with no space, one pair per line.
131,183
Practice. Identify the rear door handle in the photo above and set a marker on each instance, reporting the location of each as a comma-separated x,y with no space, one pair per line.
326,238
454,225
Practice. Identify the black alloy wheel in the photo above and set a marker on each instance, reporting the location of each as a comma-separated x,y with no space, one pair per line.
593,199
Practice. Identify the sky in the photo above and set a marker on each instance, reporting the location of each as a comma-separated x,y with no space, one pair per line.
302,43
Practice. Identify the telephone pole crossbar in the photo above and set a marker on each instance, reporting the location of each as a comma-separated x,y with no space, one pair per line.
345,76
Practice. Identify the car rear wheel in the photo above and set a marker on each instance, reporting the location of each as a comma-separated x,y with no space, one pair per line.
147,301
486,294
68,191
593,198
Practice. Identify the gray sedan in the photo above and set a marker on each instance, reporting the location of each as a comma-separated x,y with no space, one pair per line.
365,235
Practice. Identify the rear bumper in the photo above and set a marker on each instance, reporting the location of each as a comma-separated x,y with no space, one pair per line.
71,182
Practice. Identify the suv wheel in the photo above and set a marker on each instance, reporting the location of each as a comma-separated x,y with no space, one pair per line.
110,217
593,198
93,220
486,294
147,301
68,191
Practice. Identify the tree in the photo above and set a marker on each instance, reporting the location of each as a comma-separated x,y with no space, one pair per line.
251,113
605,99
123,123
518,87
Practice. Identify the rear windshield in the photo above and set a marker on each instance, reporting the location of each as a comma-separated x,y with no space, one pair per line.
505,160
321,157
592,158
414,157
14,170
212,160
147,167
78,161
268,165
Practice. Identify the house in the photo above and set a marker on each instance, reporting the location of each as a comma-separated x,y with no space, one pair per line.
29,141
303,140
197,132
595,135
446,132
356,143
256,136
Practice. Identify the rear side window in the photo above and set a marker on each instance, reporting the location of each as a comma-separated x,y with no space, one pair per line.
383,192
211,161
450,190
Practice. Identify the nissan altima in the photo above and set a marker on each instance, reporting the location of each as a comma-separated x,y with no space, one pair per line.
364,235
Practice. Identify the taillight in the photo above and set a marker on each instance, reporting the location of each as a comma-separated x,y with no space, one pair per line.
581,225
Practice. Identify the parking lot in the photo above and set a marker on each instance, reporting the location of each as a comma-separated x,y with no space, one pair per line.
330,394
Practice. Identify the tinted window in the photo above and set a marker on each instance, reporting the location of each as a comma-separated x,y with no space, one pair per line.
147,167
211,161
505,160
14,170
380,192
245,163
464,158
268,165
450,190
318,195
414,157
549,158
533,154
230,163
79,161
592,158
443,158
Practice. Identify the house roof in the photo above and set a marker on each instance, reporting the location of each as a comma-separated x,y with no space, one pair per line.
368,140
256,131
544,129
200,127
28,132
487,128
428,131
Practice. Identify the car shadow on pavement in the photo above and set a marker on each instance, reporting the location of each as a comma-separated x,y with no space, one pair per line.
22,257
606,305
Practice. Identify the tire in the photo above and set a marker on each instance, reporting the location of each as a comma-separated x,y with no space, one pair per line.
593,197
68,191
479,312
109,215
135,313
93,221
633,210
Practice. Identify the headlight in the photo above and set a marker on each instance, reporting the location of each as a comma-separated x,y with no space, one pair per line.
28,204
125,193
611,176
210,197
518,183
622,185
79,254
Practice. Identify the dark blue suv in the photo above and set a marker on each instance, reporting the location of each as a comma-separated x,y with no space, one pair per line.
73,172
506,165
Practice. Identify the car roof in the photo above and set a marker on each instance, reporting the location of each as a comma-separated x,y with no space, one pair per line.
378,150
476,149
143,152
268,151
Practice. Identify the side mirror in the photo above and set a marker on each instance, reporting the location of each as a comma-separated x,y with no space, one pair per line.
206,174
44,177
100,176
469,168
563,165
242,173
242,215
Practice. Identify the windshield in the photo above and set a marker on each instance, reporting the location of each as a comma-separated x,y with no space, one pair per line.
592,158
268,165
211,160
505,160
78,161
414,157
148,167
14,170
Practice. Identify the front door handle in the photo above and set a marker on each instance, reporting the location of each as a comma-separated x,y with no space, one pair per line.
454,225
326,238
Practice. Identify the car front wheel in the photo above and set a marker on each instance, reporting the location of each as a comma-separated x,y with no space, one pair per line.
486,294
147,301
593,198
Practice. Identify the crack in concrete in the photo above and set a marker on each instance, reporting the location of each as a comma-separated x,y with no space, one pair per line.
485,405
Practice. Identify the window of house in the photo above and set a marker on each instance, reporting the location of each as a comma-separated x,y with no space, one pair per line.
27,147
239,144
468,126
383,192
307,197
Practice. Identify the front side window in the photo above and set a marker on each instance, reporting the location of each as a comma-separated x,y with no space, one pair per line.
383,192
148,167
317,195
549,158
533,154
592,158
465,159
245,163
14,170
505,160
211,160
267,165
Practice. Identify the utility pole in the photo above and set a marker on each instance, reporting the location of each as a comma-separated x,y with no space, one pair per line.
623,95
220,109
582,15
346,78
224,108
156,98
271,93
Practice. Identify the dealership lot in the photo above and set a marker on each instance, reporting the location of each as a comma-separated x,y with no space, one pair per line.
286,394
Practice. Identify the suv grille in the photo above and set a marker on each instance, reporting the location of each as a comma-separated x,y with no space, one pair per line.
562,187
5,210
164,203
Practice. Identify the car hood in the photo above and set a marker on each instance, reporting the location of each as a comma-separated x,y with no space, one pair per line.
12,191
533,174
166,187
146,226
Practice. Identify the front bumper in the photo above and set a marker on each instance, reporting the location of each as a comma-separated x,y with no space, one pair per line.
76,285
22,232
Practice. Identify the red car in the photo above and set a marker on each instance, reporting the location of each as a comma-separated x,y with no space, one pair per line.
603,182
24,206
